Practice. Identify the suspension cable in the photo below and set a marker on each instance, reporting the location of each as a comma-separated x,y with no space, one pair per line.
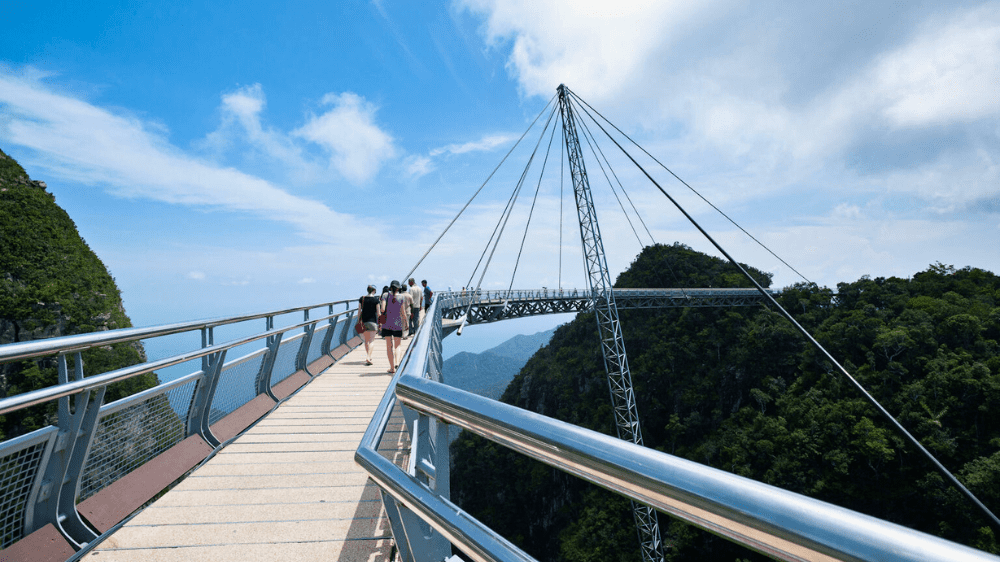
677,279
496,229
513,200
693,190
561,177
611,185
538,188
469,202
587,133
992,519
507,208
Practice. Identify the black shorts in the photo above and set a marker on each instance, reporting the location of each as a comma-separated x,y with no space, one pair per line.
394,333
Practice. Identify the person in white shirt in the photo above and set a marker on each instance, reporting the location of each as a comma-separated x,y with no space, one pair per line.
417,296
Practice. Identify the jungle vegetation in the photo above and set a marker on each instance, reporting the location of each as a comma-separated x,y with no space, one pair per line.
52,284
739,389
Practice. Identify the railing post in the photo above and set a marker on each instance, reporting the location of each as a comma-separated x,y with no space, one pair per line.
302,358
328,338
200,414
54,500
400,518
207,340
345,334
429,463
264,376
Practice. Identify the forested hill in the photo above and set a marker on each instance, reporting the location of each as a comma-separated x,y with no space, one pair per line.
738,389
488,373
52,284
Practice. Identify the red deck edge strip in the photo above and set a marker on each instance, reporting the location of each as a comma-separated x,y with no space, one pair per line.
44,545
241,418
106,508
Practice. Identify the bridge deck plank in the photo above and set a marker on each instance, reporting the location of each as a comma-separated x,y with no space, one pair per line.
287,489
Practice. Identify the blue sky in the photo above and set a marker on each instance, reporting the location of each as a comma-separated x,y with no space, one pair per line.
225,157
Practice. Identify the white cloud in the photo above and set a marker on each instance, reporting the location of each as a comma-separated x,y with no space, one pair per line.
79,141
951,182
847,212
196,275
592,46
948,73
351,142
306,280
484,144
765,102
246,103
417,166
357,147
244,107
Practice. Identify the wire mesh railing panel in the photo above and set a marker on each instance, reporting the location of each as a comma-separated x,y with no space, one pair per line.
128,437
338,334
237,385
284,361
19,466
316,345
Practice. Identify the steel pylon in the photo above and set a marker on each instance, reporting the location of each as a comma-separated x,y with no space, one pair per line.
608,325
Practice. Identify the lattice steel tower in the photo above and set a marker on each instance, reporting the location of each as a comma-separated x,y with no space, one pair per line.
608,326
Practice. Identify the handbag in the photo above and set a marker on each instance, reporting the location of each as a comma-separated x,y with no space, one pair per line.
382,318
359,327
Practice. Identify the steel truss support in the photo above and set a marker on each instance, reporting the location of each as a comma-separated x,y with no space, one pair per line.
504,305
608,325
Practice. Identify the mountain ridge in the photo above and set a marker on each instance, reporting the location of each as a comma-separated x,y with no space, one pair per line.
52,285
489,372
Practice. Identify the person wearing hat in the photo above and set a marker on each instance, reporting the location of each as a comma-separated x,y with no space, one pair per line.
396,306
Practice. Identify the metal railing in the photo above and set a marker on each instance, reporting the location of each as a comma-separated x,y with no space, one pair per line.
424,522
46,474
764,518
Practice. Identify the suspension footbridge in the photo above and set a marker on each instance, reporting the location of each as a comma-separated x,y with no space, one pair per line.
281,443
335,460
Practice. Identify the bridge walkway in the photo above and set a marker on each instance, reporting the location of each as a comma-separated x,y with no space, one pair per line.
287,489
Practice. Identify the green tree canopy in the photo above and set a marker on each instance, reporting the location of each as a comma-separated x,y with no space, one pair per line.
52,284
738,389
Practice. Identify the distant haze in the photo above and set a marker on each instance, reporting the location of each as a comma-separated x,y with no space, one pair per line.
488,373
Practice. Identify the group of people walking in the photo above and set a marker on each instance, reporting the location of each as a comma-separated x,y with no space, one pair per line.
396,311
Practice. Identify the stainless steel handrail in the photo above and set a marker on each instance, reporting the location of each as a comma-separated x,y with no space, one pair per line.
474,538
80,342
478,541
770,520
42,395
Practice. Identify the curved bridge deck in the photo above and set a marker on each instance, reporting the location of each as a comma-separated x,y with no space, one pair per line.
287,489
493,306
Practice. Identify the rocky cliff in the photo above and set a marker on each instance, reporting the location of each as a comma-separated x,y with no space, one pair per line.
52,284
